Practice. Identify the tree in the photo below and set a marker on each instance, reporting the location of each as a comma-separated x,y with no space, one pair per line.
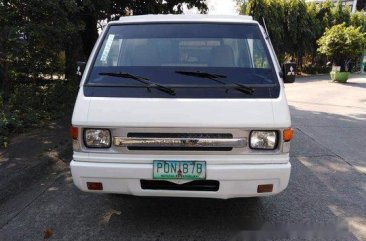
314,32
341,14
295,25
358,19
32,35
341,43
298,33
10,41
273,13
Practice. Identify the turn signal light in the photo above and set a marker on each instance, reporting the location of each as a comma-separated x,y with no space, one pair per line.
74,133
288,134
94,185
265,188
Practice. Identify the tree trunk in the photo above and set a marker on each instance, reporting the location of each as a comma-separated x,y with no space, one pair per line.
73,53
339,61
81,44
299,60
343,66
90,34
6,85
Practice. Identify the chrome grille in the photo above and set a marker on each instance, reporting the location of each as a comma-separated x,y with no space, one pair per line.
179,141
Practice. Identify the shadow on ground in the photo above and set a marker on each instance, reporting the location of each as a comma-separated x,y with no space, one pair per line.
31,156
356,84
343,136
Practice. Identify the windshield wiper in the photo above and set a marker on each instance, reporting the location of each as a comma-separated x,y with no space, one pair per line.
149,84
237,86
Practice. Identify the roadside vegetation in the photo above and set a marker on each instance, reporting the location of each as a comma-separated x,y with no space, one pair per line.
31,106
295,27
342,44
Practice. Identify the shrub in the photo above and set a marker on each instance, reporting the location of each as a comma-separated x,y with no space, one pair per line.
315,69
342,44
31,106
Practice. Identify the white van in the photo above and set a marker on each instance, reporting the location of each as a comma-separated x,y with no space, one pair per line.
184,106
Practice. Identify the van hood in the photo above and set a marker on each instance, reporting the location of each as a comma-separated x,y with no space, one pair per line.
204,113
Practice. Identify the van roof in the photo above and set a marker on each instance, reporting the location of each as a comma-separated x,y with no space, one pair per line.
186,18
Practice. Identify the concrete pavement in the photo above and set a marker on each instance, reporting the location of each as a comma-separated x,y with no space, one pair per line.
333,114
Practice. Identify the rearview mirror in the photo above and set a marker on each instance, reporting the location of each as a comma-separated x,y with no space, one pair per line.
289,72
80,68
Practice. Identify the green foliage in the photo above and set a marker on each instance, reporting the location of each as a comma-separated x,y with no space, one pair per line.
295,26
316,69
31,106
358,19
341,14
33,33
342,43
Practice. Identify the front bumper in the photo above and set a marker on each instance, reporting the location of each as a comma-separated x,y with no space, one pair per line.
236,180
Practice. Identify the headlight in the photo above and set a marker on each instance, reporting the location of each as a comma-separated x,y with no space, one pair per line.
265,140
97,138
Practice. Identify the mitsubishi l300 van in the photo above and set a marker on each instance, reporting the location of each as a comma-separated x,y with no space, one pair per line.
184,106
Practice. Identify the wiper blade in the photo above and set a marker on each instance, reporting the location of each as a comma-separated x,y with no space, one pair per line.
123,75
200,74
149,84
215,77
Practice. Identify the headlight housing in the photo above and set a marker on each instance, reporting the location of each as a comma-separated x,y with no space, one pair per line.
97,138
263,140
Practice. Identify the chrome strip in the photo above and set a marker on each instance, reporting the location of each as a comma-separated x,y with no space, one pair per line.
178,142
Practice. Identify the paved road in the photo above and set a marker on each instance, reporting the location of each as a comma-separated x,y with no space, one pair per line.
325,199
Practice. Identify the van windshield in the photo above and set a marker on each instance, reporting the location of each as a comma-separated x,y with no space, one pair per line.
185,56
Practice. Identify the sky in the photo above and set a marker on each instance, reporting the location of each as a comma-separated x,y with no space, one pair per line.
226,7
218,7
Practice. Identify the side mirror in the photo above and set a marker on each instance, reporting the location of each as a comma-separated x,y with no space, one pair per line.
289,72
80,68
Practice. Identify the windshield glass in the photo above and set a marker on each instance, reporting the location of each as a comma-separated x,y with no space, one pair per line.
164,53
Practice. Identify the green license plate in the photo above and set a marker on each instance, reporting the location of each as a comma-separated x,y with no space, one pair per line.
186,170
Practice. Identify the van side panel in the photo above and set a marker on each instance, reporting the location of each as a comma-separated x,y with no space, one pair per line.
281,112
81,109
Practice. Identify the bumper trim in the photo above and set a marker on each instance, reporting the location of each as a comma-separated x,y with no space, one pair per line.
236,180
